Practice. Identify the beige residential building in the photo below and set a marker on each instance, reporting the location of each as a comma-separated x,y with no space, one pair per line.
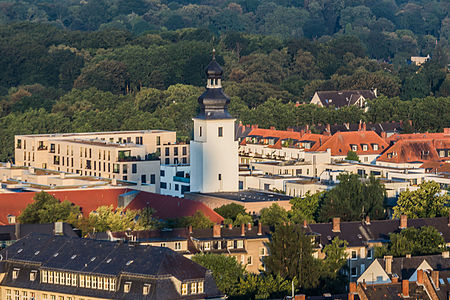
125,155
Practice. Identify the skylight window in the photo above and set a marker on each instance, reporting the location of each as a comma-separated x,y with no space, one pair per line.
20,250
73,256
37,252
108,260
129,262
56,254
92,259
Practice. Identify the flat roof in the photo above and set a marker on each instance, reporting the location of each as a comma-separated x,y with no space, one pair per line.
98,142
95,133
250,196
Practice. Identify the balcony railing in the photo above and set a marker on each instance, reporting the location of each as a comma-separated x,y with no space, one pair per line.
181,179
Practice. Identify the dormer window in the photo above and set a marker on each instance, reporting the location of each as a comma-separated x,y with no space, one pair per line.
200,287
127,287
33,275
375,147
15,273
207,246
354,148
146,289
184,289
364,147
194,288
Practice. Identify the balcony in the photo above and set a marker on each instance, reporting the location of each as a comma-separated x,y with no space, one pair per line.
147,157
181,179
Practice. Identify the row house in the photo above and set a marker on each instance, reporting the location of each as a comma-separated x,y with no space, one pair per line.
247,243
61,268
363,236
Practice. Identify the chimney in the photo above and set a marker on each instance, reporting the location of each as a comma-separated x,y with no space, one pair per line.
359,125
230,226
302,132
259,228
336,224
328,128
351,296
367,220
352,287
242,229
17,230
408,255
405,288
364,126
383,135
300,297
190,229
403,222
419,277
249,226
305,224
388,264
394,278
445,254
272,127
216,230
435,278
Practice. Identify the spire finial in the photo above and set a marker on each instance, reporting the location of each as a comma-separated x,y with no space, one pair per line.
214,54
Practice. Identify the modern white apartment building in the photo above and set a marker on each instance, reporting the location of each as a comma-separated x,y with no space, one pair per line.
125,155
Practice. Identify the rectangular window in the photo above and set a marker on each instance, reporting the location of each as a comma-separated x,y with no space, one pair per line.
100,283
124,169
112,284
177,187
184,150
127,287
116,168
143,178
134,168
50,277
81,280
33,275
207,246
184,289
220,176
177,245
194,288
162,173
262,251
62,278
152,179
158,140
88,281
74,279
44,276
52,148
184,160
249,260
220,132
106,284
354,257
167,151
94,282
163,185
19,144
200,131
8,295
240,244
353,272
369,253
56,277
146,289
200,287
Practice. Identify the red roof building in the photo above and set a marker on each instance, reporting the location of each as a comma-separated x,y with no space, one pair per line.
166,207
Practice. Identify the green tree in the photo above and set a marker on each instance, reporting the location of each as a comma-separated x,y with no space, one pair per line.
351,155
291,257
243,219
230,211
354,198
416,241
48,209
273,215
198,220
425,202
146,219
226,271
106,218
305,208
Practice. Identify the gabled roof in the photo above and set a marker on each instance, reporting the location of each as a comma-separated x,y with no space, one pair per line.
418,136
408,150
359,233
282,134
341,142
25,229
343,98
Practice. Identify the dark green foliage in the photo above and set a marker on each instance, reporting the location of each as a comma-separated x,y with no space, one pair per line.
48,209
415,241
353,199
230,211
351,155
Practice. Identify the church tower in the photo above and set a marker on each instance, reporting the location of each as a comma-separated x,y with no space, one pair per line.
214,150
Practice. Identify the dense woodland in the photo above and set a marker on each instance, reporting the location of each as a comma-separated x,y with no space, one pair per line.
118,65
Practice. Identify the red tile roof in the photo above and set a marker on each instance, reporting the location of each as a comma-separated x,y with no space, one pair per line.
283,134
90,199
168,207
407,150
417,136
340,143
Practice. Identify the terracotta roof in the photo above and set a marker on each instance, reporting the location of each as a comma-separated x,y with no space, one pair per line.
415,136
407,150
341,142
282,134
168,207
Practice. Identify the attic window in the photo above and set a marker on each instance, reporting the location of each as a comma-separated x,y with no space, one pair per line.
129,262
127,287
375,147
200,287
146,289
354,147
364,147
15,273
33,275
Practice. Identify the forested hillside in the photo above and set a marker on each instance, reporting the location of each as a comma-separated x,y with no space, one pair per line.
138,64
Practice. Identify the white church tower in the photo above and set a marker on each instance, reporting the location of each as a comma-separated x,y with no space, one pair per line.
214,150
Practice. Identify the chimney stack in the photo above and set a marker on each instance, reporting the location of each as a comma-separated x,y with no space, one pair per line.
249,226
403,222
17,230
367,220
394,278
405,288
445,254
336,224
388,263
305,224
190,229
435,278
259,228
364,126
300,297
419,277
216,230
352,287
242,229
230,226
272,127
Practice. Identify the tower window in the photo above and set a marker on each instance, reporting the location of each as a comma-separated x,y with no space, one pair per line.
200,131
220,131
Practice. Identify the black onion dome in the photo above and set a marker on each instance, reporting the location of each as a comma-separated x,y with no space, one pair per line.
213,69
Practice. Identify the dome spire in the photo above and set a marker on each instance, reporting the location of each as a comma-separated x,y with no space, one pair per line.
214,54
